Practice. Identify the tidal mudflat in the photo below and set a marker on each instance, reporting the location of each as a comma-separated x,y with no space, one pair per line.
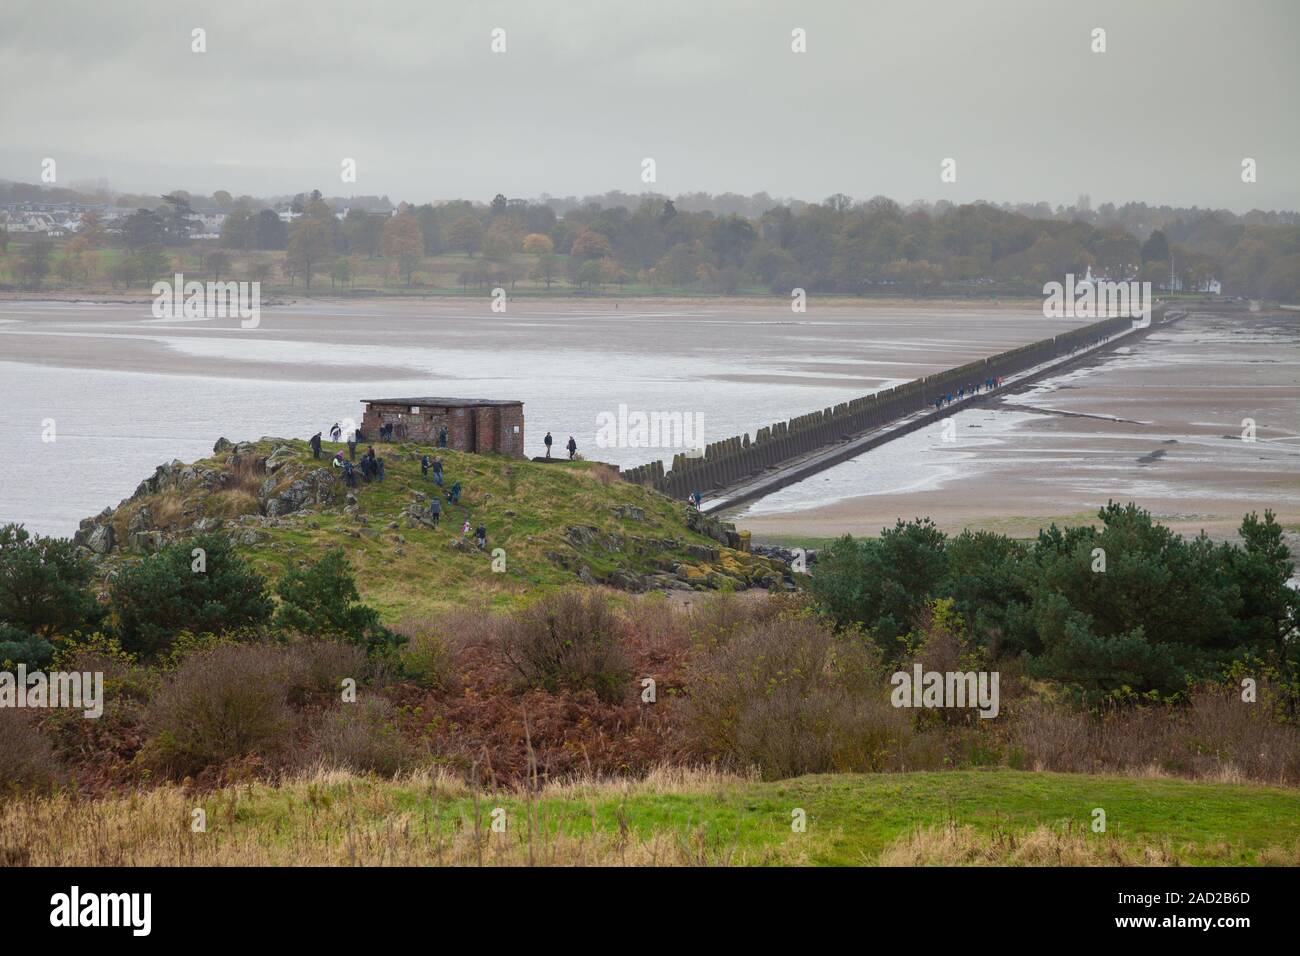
1160,423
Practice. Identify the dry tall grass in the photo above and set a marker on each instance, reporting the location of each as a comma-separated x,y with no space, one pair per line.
1066,845
336,819
1215,736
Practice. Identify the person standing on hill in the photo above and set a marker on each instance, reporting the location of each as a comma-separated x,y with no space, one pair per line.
424,467
547,442
315,445
336,432
442,437
352,449
435,509
437,472
481,534
573,447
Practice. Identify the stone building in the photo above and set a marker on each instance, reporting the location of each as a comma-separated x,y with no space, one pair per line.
473,424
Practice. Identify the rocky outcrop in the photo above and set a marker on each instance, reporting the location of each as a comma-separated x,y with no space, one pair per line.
315,488
707,567
142,523
146,541
723,532
178,476
584,537
786,556
101,539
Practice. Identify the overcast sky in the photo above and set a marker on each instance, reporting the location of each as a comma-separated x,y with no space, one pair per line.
708,88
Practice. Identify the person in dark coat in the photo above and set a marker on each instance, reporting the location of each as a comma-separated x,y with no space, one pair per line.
453,494
349,474
315,445
481,534
352,450
424,467
547,442
442,437
435,509
379,467
437,472
573,447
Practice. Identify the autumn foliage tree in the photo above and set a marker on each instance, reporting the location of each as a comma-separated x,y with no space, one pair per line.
591,245
538,244
309,246
466,235
403,240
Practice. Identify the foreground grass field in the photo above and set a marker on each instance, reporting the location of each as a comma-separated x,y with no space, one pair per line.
672,817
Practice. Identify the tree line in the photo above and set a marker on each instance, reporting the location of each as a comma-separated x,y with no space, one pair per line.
838,246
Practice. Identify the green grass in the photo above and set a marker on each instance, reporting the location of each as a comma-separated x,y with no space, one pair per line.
805,541
851,818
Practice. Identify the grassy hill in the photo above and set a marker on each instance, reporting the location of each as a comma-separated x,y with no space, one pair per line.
995,817
557,524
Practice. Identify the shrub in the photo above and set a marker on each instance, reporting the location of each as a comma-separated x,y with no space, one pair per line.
43,585
18,647
1126,607
427,659
717,616
361,737
27,760
1214,735
316,669
220,704
570,640
168,592
790,697
321,600
882,584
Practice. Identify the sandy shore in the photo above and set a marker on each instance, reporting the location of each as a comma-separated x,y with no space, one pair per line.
1160,424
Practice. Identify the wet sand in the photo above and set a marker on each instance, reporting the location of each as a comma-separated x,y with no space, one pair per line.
859,344
1159,423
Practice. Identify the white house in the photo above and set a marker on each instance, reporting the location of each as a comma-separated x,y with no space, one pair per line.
1205,287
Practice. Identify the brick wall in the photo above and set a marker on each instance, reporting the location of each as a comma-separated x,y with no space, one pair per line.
473,428
512,430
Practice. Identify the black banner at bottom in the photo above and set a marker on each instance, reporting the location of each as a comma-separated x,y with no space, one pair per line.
303,905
